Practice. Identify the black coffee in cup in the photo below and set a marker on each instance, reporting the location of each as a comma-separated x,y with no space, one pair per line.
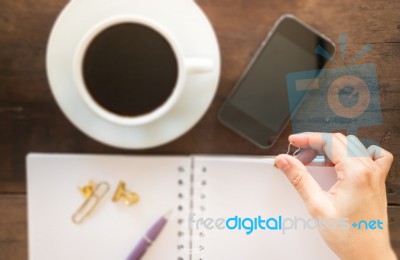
130,69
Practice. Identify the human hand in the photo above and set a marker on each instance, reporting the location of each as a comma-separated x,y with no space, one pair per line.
358,194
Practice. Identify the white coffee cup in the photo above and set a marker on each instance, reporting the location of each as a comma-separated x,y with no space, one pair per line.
193,47
185,65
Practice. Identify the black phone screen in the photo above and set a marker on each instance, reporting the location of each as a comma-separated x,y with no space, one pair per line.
258,108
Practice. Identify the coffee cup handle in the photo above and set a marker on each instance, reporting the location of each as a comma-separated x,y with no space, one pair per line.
198,65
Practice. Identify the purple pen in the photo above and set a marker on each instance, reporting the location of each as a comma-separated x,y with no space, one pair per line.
148,239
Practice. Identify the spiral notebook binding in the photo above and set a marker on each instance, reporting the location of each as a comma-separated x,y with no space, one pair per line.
183,209
191,237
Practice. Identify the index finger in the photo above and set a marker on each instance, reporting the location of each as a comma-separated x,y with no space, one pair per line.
333,145
382,157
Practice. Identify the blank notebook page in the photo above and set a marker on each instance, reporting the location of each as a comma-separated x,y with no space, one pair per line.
114,228
252,187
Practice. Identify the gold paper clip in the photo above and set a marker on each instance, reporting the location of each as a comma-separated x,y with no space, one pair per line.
295,153
88,190
90,203
121,193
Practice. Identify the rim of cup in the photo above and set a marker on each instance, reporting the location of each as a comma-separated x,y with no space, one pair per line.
97,108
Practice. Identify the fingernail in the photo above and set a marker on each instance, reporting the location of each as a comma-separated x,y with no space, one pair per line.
281,163
300,134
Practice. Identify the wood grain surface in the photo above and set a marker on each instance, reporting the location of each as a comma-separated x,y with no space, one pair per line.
30,120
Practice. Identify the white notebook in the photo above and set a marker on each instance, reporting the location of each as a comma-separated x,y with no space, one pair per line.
204,188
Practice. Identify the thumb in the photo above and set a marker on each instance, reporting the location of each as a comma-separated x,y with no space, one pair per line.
310,191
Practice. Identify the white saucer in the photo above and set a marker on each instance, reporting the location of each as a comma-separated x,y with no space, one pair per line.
184,20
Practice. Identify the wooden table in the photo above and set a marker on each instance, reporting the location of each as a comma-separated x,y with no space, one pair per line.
31,121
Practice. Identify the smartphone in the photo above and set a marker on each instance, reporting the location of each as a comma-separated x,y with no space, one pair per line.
258,107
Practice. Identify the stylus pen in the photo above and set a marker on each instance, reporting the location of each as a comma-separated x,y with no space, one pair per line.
148,239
